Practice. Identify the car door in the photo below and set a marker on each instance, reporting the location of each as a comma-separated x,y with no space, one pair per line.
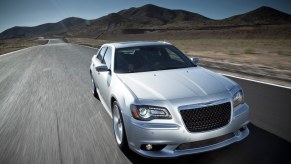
104,78
97,61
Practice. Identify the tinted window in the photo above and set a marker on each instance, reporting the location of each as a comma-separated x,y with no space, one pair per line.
173,55
101,53
107,57
149,58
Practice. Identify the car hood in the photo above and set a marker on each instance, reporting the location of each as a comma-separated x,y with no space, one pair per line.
175,83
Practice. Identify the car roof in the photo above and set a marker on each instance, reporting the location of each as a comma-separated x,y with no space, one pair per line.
137,43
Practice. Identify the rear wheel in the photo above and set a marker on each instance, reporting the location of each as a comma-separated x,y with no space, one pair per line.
118,127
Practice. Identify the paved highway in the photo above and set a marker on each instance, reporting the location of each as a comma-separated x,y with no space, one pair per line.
48,115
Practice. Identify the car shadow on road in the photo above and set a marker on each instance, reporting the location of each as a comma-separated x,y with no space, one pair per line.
259,147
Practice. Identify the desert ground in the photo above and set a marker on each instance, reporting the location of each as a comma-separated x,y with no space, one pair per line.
9,45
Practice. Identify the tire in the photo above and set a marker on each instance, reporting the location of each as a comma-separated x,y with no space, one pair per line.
118,127
94,90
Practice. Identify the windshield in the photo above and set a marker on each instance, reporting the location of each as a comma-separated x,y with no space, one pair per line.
149,58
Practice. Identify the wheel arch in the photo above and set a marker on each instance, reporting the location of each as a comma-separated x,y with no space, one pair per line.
120,102
111,102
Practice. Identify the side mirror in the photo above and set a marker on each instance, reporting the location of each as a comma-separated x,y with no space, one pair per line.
102,68
194,60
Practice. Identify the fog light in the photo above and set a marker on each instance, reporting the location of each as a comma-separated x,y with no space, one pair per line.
243,128
149,147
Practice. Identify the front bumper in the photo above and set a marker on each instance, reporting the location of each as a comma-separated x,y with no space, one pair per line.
172,135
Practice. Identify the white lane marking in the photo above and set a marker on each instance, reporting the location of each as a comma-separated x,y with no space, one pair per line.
257,81
85,46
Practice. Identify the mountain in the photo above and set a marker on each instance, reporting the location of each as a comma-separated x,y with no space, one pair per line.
147,18
139,20
155,15
45,29
261,16
98,26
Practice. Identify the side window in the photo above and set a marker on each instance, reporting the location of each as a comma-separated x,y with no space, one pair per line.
101,53
107,57
174,56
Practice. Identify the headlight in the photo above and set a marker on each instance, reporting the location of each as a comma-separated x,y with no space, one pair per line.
146,113
238,98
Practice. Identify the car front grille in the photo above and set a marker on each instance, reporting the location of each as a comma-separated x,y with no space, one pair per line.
206,118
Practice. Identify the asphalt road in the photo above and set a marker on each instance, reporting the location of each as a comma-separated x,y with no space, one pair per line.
48,115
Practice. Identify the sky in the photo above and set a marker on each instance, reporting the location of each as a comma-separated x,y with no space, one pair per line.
36,12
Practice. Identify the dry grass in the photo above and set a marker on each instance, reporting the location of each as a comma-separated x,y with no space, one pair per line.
248,51
9,45
237,45
267,53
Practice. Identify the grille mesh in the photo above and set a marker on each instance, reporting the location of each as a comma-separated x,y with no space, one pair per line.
206,118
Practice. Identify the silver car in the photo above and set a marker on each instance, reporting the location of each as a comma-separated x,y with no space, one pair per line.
163,104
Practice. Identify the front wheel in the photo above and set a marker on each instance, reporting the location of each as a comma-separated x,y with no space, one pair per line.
94,91
118,127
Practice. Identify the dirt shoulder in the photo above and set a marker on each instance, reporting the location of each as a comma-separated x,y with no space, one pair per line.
266,60
9,45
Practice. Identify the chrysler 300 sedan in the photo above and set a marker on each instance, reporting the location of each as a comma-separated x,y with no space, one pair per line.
163,104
